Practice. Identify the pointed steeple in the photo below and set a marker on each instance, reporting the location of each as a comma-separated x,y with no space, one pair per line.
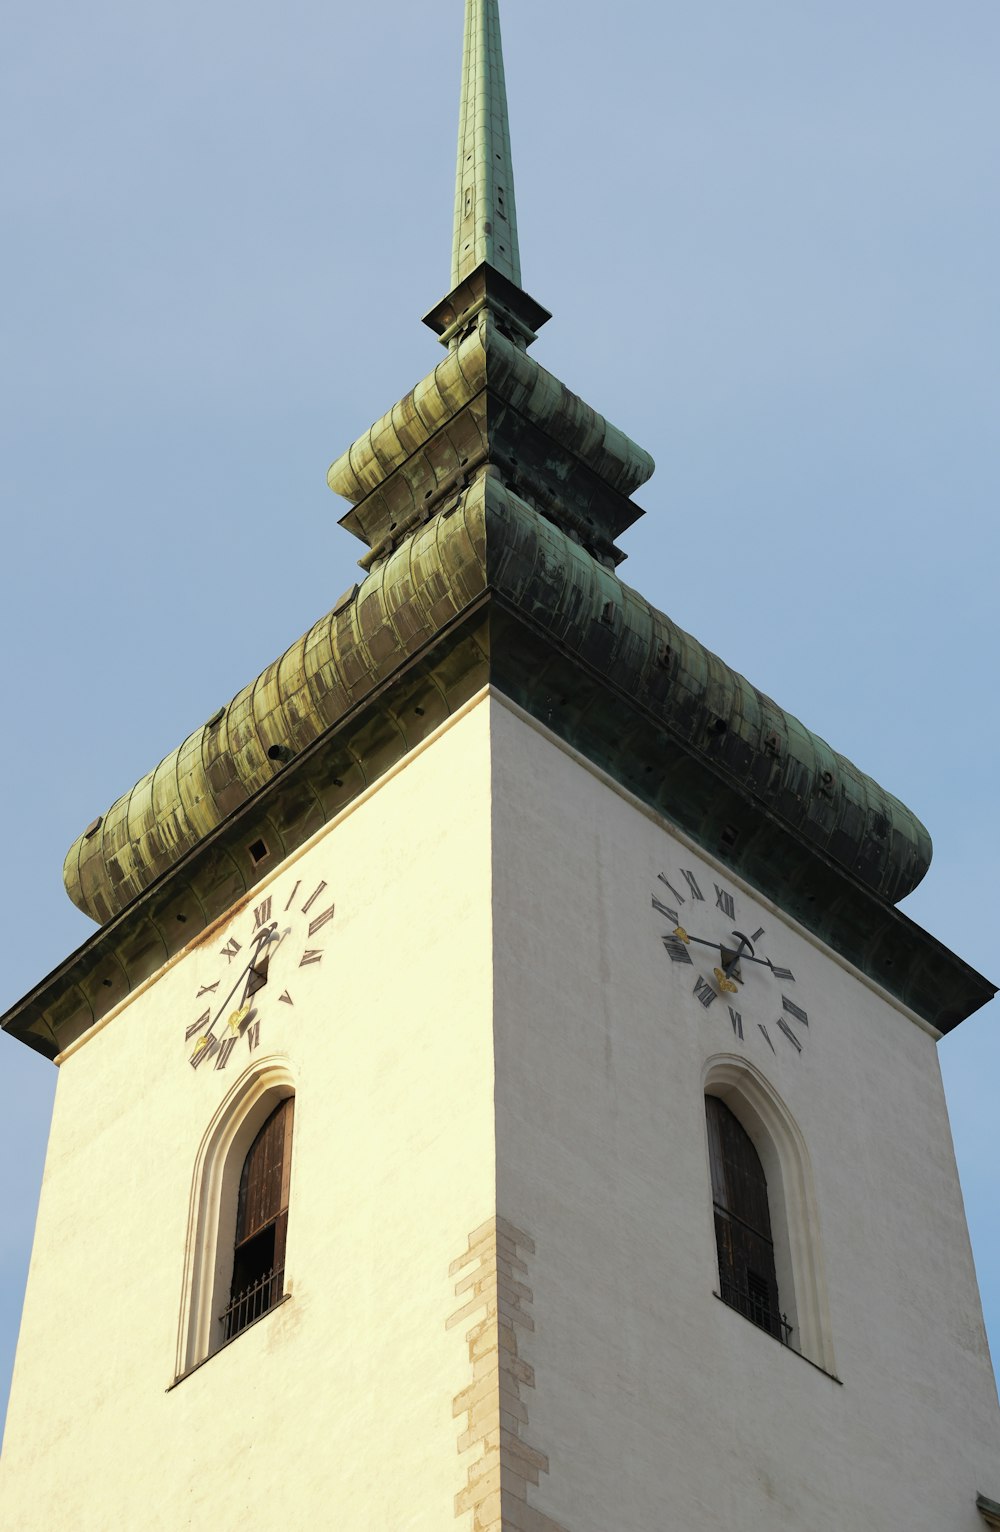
485,215
490,499
486,259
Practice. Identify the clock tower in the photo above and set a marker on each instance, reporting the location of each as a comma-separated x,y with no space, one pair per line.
501,1090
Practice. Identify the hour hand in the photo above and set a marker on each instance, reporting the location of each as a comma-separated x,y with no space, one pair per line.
686,937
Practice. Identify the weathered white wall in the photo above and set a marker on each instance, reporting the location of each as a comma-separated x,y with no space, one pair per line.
656,1404
336,1409
521,983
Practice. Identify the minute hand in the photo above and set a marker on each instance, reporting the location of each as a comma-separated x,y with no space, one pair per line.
739,956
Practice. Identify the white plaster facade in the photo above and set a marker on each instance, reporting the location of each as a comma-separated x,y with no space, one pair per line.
658,1405
494,1028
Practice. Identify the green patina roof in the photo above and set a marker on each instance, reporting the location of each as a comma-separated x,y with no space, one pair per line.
490,498
489,591
489,546
490,421
485,215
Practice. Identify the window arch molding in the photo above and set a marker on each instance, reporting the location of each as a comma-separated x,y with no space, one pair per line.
208,1259
795,1223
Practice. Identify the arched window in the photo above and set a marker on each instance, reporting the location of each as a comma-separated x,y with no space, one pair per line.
747,1276
766,1212
261,1223
234,1259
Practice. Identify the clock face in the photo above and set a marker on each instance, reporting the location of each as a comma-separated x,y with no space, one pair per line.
256,971
717,934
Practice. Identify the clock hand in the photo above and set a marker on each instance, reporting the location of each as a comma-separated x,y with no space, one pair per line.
744,946
685,936
744,952
257,973
208,1039
243,975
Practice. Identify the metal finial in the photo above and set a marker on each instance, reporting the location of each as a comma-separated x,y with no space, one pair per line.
485,217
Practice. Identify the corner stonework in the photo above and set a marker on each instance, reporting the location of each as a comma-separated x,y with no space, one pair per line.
503,1463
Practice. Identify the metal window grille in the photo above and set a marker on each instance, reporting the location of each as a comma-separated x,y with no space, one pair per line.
754,1303
249,1305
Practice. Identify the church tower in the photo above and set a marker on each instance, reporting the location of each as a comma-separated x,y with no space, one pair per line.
501,1092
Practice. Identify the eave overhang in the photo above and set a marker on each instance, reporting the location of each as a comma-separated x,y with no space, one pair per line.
490,592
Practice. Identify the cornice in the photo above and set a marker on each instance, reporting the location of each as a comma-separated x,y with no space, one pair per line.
491,593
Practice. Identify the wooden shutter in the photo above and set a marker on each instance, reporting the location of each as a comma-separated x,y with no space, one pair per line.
261,1223
264,1182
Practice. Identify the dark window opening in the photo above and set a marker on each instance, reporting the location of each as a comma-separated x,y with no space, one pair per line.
743,1223
261,1224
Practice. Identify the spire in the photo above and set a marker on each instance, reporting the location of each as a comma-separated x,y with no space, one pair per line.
485,217
486,262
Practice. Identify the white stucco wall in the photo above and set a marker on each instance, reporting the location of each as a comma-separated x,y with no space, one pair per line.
335,1409
495,1026
657,1405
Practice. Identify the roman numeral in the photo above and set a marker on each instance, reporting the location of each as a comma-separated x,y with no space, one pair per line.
724,902
767,1039
262,913
198,1026
737,1021
783,1024
782,973
204,1050
795,1010
207,989
319,921
252,1035
293,893
677,896
696,892
312,898
285,999
665,909
230,950
677,949
311,955
757,934
225,1049
704,991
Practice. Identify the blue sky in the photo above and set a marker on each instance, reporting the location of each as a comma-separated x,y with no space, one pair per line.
769,237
